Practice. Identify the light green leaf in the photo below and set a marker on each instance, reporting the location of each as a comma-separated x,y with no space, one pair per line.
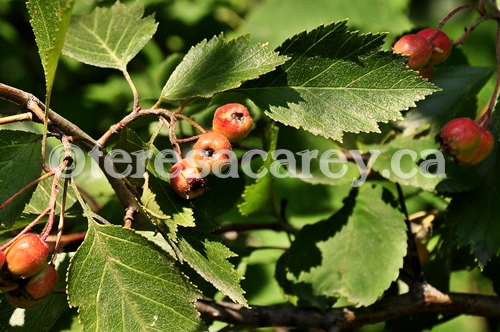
337,81
259,196
109,37
50,20
216,65
20,164
208,257
103,282
343,256
41,197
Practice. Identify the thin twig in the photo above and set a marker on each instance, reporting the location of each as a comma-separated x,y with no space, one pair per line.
16,118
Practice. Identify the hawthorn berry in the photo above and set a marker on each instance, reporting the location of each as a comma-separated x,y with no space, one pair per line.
233,121
2,258
460,136
482,151
26,256
441,44
42,283
213,149
427,72
417,47
186,179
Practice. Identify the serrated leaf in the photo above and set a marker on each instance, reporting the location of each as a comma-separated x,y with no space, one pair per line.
476,213
460,86
216,65
109,37
50,20
103,282
258,197
343,256
20,164
207,255
337,81
41,317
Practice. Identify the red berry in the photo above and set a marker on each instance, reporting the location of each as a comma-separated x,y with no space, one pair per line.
186,179
26,256
42,283
233,121
2,258
417,47
213,149
482,151
20,299
460,136
441,44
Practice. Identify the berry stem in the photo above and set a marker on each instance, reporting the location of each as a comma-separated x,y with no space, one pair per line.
456,10
60,227
485,119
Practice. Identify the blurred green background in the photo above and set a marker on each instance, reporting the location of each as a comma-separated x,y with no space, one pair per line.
94,98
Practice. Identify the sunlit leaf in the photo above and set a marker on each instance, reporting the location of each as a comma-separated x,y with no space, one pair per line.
50,20
218,65
337,81
109,37
356,254
121,281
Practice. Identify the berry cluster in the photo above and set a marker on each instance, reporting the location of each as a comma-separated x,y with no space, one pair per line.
25,275
426,48
231,123
466,140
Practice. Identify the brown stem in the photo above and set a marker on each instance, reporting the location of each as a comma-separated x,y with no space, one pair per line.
16,118
425,299
26,229
58,123
275,226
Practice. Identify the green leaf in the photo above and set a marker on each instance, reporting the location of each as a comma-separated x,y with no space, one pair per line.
460,86
109,37
121,281
343,256
397,163
337,81
208,257
43,316
259,196
20,164
216,65
50,20
313,157
41,197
